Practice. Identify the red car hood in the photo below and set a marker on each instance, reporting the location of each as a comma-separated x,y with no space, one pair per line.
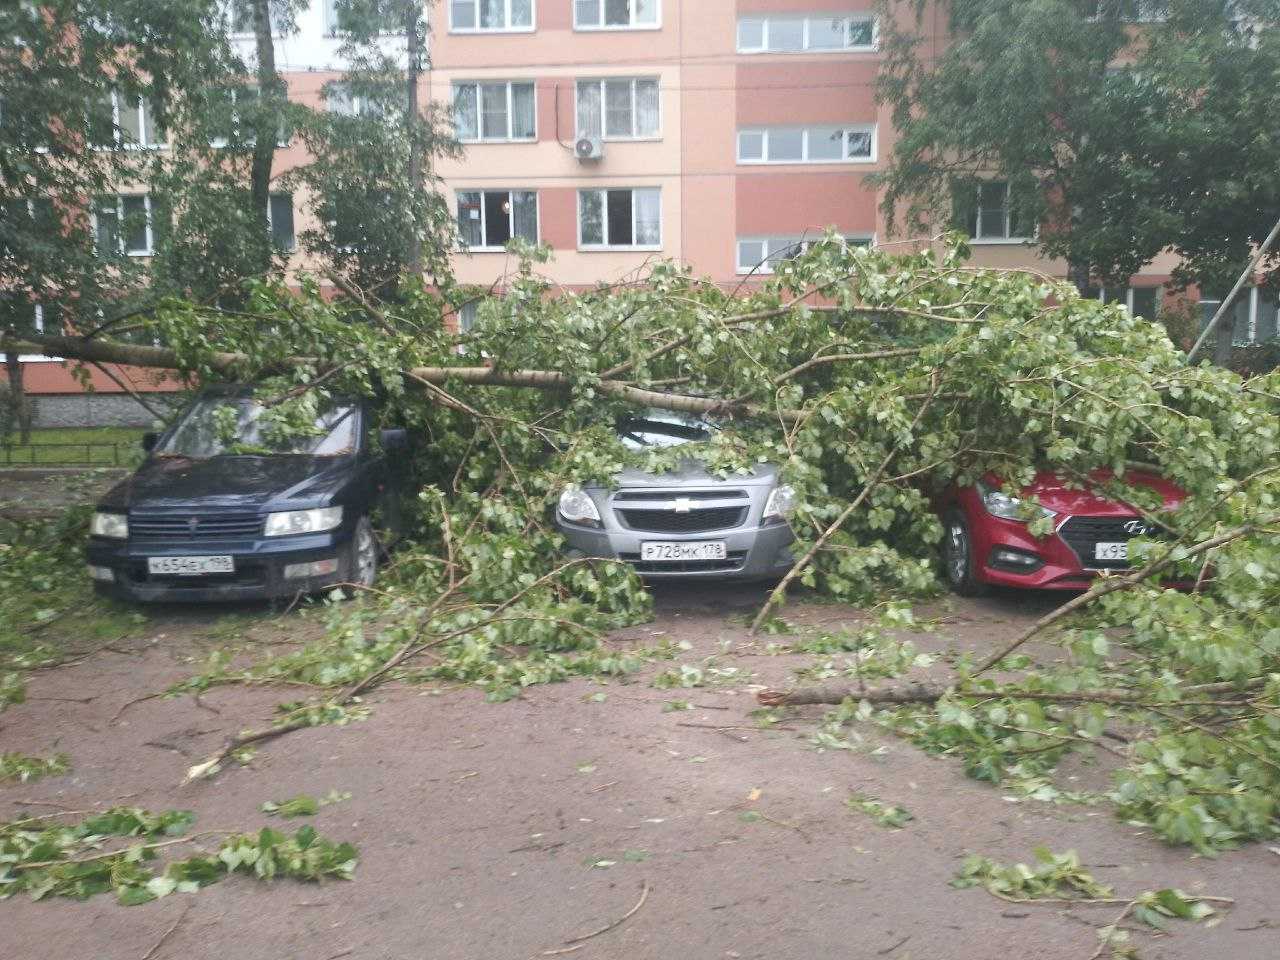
1056,493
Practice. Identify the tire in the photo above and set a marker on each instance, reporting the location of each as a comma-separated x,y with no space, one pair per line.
361,559
957,556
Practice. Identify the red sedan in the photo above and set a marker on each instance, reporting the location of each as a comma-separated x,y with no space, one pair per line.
986,541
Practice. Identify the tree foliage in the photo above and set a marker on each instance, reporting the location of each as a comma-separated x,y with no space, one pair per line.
1122,139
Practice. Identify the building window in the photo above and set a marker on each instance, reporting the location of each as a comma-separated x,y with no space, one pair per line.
480,16
126,122
617,14
626,108
766,254
280,219
1130,11
1139,301
1254,315
495,112
989,213
339,98
340,18
123,224
488,219
843,144
468,313
25,221
231,109
624,219
815,34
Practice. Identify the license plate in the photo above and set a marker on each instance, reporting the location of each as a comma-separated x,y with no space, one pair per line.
190,566
664,551
1111,551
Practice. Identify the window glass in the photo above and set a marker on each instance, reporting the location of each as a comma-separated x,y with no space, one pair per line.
862,32
525,215
751,145
591,216
497,218
197,435
617,108
493,14
750,34
107,225
135,224
1267,327
617,13
786,145
646,11
826,143
1240,329
470,224
130,114
467,314
826,33
465,113
464,14
648,112
589,109
750,254
860,143
786,34
618,212
101,120
1145,300
493,111
991,210
522,13
281,216
586,13
648,217
523,111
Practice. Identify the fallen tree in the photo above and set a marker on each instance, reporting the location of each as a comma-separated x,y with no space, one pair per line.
872,381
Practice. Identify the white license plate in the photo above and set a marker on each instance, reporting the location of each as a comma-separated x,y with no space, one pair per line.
1111,551
190,566
667,551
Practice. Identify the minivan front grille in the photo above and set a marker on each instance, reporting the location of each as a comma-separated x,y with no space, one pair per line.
692,521
195,527
677,493
1082,534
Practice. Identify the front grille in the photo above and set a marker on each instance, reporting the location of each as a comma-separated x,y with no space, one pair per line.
1082,534
178,527
695,521
623,496
734,561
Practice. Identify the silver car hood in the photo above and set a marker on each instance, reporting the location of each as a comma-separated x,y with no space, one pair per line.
691,474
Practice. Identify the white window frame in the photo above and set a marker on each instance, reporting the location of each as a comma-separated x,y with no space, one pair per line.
761,267
124,251
117,131
604,222
1007,239
506,9
511,114
235,34
603,27
511,215
805,43
331,27
221,143
1104,296
359,102
604,108
1255,301
763,133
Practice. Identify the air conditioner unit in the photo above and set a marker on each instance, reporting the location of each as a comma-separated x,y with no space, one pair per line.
589,149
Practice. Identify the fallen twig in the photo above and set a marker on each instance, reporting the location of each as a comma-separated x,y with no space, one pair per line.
155,947
577,943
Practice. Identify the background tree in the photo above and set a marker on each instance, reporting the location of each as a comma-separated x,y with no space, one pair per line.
372,186
1121,139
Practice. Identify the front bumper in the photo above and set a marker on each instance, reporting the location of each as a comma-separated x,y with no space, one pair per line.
754,552
259,568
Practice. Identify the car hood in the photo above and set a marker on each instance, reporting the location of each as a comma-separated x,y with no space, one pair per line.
248,483
1061,496
693,474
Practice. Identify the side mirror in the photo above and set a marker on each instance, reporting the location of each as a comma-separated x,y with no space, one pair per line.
149,441
394,439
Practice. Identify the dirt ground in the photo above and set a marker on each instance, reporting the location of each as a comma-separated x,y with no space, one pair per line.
501,831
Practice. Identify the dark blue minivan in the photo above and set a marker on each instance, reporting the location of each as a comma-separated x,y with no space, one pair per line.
262,516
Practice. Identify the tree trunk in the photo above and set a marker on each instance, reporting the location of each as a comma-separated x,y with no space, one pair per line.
267,128
18,405
413,43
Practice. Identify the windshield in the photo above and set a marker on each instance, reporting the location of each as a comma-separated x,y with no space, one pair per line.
202,432
663,429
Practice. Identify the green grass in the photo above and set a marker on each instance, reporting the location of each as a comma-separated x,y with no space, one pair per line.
67,446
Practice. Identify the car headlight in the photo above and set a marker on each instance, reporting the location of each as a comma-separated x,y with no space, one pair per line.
782,502
114,526
303,521
1000,504
576,506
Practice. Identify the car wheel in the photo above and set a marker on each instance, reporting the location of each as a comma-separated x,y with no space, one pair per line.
362,558
957,556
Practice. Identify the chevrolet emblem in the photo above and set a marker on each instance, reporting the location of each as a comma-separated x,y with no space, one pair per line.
682,505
